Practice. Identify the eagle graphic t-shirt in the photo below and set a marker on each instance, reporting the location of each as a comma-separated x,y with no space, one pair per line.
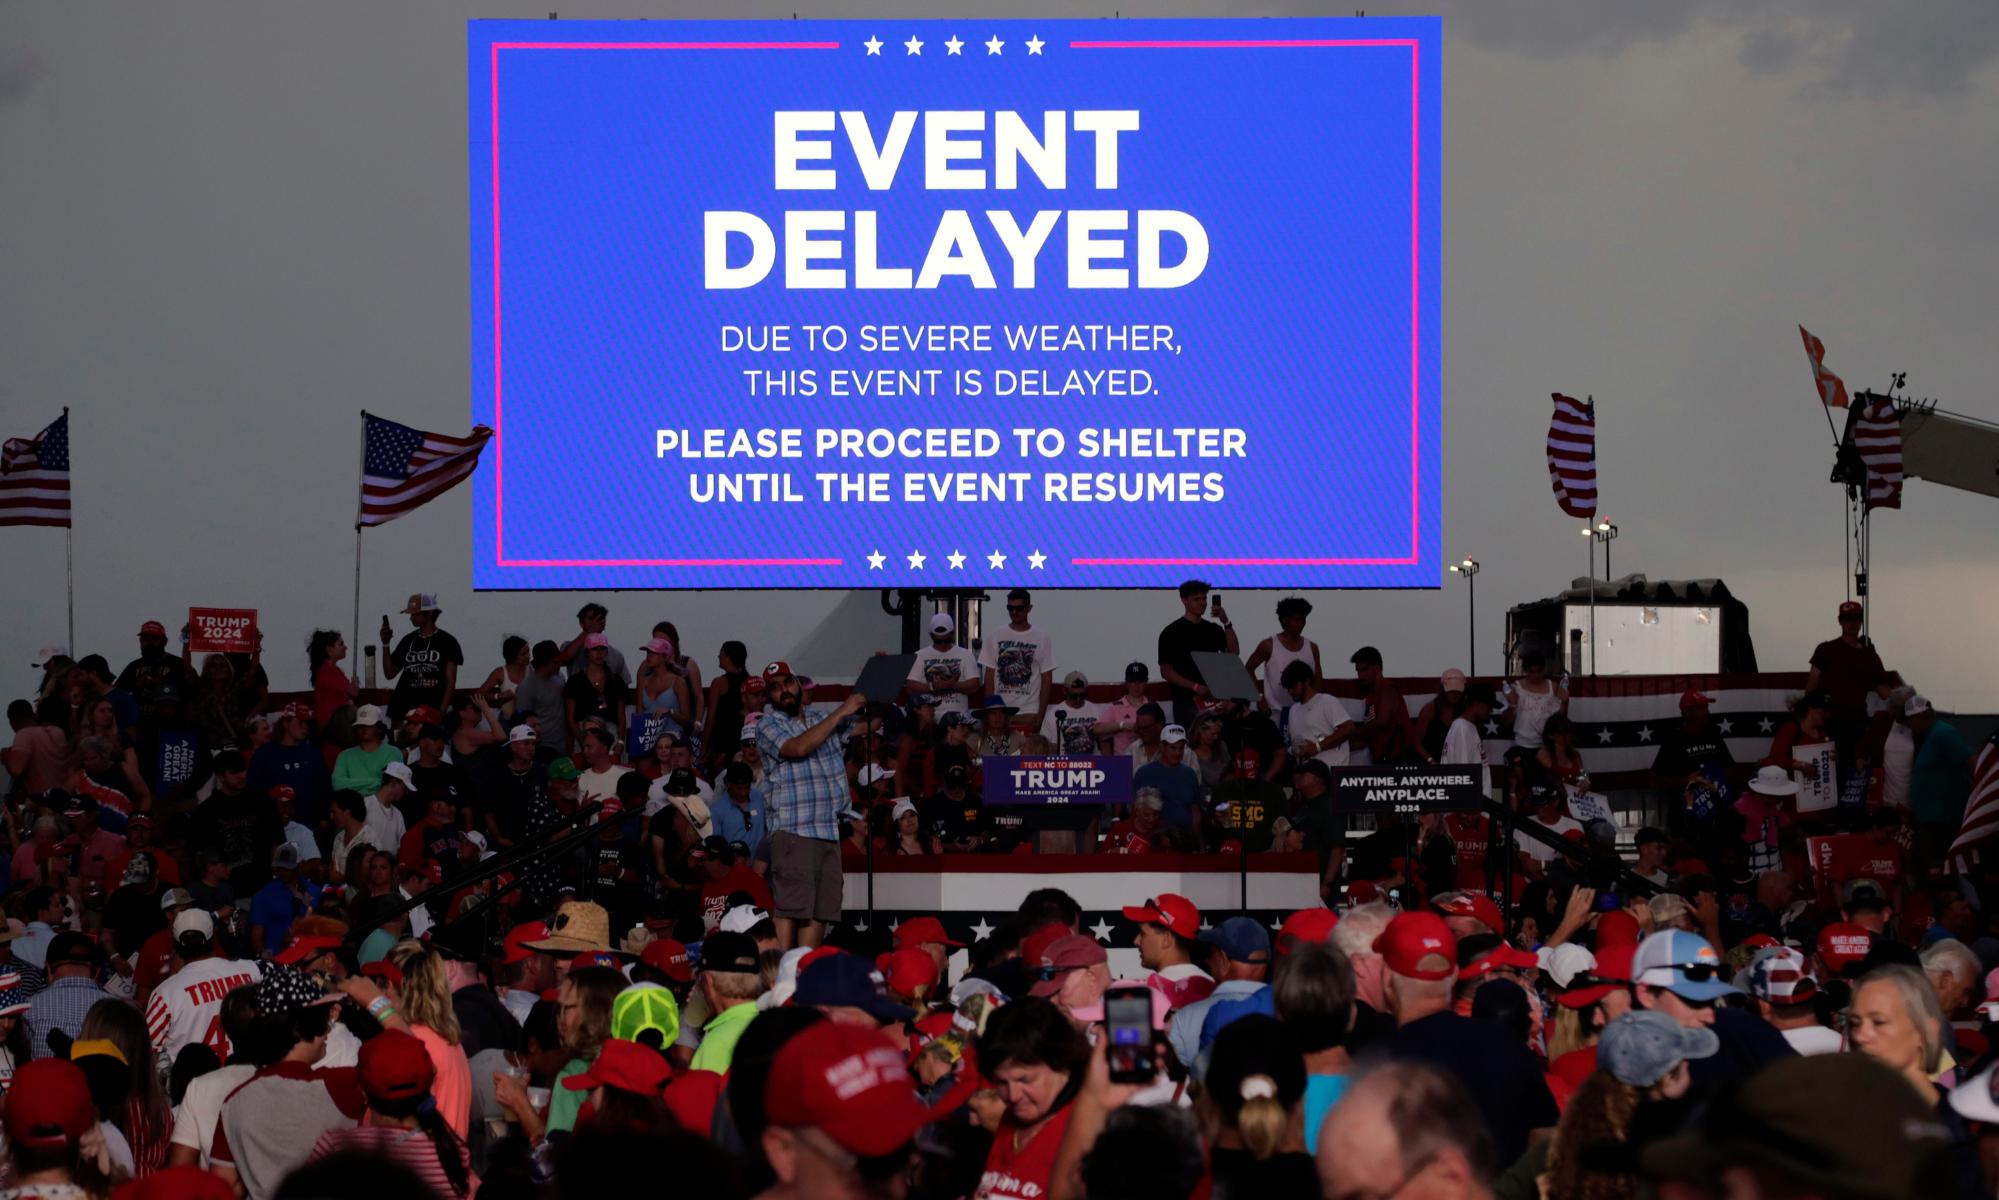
1018,658
938,669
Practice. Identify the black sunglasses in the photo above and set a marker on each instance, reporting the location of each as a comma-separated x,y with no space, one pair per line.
1048,974
1696,972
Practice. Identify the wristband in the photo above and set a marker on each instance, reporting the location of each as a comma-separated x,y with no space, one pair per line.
381,1008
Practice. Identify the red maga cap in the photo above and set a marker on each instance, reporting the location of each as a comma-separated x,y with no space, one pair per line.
48,1105
1414,936
513,947
627,1066
1478,906
918,930
849,1082
669,958
1841,944
393,1065
777,669
1306,925
152,629
1176,913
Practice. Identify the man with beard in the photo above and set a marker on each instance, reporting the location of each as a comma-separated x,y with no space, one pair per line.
805,788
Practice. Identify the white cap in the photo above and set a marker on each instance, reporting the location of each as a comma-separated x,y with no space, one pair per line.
902,805
1566,961
874,773
741,918
46,653
1173,734
195,920
1917,706
941,624
371,714
522,733
749,733
400,772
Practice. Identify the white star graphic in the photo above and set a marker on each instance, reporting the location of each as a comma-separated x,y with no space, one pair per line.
1276,924
874,45
993,44
1492,728
954,45
1726,726
916,560
996,561
876,560
1206,924
861,925
913,45
1101,930
956,560
1034,45
1603,737
895,925
1765,725
1644,733
981,931
1035,559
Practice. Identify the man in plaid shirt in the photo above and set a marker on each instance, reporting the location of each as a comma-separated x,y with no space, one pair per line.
72,990
805,789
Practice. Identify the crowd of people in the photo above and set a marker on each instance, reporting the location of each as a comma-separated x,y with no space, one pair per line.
304,947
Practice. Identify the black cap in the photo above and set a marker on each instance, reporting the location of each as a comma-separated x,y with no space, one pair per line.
957,773
72,948
682,783
1545,791
1137,673
730,952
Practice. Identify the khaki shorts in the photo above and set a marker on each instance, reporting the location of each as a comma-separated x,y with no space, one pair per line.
805,878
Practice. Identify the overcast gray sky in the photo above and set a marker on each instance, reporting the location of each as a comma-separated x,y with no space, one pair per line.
226,228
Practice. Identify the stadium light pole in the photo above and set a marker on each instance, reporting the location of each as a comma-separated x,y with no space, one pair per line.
1469,569
1590,535
1606,532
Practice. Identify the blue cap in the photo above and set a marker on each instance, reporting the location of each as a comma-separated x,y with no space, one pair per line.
1682,963
1243,939
925,700
1641,1046
848,981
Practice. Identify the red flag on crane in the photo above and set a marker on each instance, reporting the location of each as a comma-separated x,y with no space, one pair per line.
1832,389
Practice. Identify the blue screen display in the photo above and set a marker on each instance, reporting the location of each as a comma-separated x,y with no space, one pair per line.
955,303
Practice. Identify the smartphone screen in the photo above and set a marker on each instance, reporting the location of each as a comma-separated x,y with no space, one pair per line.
1128,1021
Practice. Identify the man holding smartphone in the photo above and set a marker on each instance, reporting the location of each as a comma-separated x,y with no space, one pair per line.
1189,633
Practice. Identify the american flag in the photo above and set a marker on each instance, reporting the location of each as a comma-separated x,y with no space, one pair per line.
404,469
1981,812
1877,435
34,478
1572,455
1832,389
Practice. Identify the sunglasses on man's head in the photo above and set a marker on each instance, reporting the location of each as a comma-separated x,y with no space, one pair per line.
1696,972
1048,974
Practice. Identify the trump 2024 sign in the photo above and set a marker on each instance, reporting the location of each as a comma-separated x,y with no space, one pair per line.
955,303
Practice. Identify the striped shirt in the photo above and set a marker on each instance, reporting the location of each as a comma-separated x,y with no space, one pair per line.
411,1149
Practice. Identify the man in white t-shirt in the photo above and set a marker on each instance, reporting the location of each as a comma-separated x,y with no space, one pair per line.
1464,742
1785,991
945,669
1019,660
1070,727
384,825
1315,725
1547,802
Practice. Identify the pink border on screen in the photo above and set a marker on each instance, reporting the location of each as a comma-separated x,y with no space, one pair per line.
1415,443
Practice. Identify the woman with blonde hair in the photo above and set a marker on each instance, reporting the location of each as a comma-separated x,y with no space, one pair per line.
1252,1102
1896,1020
422,996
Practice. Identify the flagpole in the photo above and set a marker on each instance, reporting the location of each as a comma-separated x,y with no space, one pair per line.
360,482
69,547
